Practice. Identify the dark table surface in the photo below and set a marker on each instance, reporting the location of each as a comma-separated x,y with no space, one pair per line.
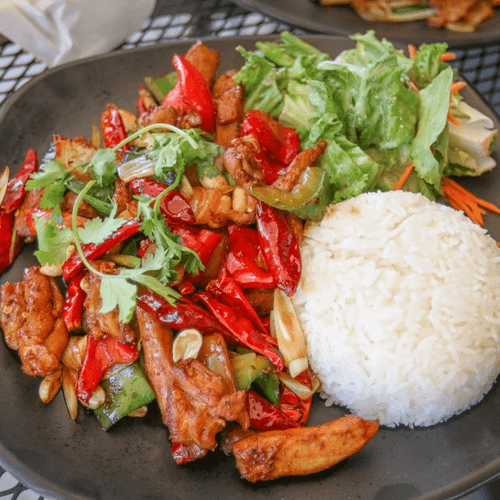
174,20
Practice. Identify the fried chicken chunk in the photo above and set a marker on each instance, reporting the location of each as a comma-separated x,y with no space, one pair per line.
194,402
31,319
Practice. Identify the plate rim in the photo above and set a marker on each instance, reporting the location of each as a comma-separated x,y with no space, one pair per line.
29,477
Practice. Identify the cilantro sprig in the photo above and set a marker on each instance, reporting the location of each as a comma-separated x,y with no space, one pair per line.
120,290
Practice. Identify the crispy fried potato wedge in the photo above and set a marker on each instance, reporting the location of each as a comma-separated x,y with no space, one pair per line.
303,450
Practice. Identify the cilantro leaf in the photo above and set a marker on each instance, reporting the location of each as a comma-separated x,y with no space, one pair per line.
98,230
117,291
52,241
52,178
103,167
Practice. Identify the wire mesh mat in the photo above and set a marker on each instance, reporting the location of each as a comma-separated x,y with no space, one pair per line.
174,20
190,19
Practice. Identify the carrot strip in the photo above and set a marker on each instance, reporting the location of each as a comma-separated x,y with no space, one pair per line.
448,56
457,86
404,176
460,199
412,51
453,120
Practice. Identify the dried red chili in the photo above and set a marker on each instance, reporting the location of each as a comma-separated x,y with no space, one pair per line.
264,416
113,129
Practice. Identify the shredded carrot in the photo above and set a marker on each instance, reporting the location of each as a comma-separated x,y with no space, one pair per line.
448,56
453,120
404,176
412,51
461,199
457,86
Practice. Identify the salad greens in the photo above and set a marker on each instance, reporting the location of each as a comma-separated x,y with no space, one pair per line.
377,109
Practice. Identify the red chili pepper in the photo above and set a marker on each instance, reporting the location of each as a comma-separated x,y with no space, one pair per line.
73,303
242,329
297,409
225,289
191,92
173,205
241,261
181,316
202,241
282,143
100,356
184,454
280,248
16,187
6,235
264,416
113,129
271,168
92,251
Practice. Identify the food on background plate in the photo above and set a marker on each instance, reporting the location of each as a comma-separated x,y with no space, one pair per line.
400,304
179,238
462,16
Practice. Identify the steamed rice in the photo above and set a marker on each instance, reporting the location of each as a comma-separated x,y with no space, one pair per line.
400,303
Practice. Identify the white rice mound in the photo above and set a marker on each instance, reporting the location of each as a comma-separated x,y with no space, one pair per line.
400,303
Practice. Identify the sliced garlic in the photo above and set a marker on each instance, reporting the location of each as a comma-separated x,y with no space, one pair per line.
187,345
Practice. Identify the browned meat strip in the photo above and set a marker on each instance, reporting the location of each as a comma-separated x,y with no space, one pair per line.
122,195
302,450
229,98
194,401
239,161
205,60
307,158
104,324
31,318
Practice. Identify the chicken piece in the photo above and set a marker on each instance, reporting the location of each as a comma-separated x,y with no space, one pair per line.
84,210
122,196
104,324
302,450
194,402
160,114
32,322
239,161
307,158
205,60
74,152
189,119
229,98
23,220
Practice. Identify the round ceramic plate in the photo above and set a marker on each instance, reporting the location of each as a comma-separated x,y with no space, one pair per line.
42,447
342,20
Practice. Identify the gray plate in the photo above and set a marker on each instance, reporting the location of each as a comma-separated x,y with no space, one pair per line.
49,453
342,20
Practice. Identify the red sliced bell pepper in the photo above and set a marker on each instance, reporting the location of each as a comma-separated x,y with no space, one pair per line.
225,289
92,251
6,240
202,241
191,92
16,187
73,303
113,129
242,330
282,143
184,315
100,356
297,409
264,416
242,258
280,248
173,205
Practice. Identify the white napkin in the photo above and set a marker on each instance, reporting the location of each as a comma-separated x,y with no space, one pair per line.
59,31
